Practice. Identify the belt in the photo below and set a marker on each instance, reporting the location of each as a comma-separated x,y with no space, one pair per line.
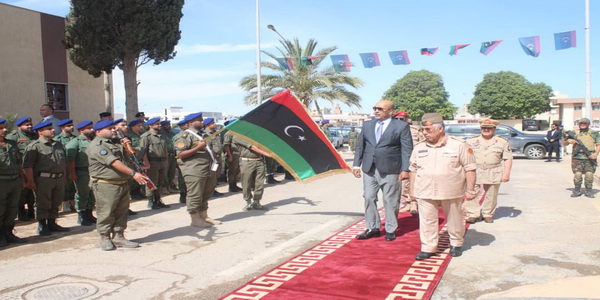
50,175
156,159
118,182
9,177
245,158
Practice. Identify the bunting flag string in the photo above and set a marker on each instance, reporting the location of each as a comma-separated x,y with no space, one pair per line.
429,51
487,47
454,49
531,45
565,40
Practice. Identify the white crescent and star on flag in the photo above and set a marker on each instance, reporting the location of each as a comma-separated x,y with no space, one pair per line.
296,127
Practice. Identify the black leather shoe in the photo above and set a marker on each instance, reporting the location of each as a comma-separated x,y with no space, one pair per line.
369,233
424,255
455,251
390,236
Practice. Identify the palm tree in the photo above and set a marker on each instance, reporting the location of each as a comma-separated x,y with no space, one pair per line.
304,80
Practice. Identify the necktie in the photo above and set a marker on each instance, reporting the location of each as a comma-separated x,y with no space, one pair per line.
379,131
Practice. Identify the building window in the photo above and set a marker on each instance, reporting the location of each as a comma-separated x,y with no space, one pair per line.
577,107
57,96
595,106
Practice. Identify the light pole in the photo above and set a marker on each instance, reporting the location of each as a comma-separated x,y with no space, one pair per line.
258,62
588,72
273,28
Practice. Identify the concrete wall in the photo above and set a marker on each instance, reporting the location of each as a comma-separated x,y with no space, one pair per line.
31,57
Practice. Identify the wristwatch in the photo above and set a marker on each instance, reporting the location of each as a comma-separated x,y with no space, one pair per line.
473,192
132,173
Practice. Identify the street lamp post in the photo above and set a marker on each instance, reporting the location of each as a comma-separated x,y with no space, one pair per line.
273,28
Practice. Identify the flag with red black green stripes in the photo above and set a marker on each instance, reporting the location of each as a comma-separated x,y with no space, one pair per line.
282,127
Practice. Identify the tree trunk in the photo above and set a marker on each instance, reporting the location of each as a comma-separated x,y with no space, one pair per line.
108,93
319,110
131,84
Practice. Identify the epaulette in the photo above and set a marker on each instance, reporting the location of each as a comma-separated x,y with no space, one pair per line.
185,134
458,139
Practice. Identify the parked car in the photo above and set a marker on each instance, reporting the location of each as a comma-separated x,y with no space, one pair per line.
337,139
530,144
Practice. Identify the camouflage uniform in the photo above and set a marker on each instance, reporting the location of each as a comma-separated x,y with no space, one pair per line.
583,168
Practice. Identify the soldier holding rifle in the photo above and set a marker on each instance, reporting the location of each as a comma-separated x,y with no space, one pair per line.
586,145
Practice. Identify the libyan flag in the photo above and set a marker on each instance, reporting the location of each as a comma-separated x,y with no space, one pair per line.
282,127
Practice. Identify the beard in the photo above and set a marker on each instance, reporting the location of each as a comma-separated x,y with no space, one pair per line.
90,135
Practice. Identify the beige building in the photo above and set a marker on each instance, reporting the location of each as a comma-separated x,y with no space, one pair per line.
35,69
571,109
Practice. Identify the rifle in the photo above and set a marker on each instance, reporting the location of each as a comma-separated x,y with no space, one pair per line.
580,146
136,162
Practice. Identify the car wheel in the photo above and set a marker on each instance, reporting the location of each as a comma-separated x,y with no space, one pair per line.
535,151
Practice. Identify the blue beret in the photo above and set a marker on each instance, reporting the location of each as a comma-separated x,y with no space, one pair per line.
317,121
65,122
325,122
41,125
152,121
165,122
117,121
2,121
83,124
135,122
184,121
193,116
23,120
103,124
208,121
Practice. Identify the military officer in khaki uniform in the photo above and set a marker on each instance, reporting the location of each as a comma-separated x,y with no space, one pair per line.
10,187
24,135
252,170
494,161
583,166
153,149
233,160
109,174
169,184
45,167
183,126
442,174
78,164
197,164
210,127
352,139
66,135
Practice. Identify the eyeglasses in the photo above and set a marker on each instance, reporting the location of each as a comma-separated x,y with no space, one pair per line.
378,108
401,118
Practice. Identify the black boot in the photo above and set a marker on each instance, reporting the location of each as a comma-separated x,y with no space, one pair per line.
3,242
82,218
182,198
233,188
161,204
152,203
11,237
288,176
55,227
43,229
589,193
271,179
90,215
576,192
22,216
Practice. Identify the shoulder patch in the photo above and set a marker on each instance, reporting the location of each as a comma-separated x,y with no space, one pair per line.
180,145
470,150
103,152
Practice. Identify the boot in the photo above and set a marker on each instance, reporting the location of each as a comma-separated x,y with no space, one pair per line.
161,204
217,193
248,206
30,211
182,198
256,205
576,192
105,243
151,203
234,188
55,227
204,216
198,222
11,237
271,179
22,216
589,193
288,176
414,210
90,215
120,241
3,242
82,219
131,212
43,229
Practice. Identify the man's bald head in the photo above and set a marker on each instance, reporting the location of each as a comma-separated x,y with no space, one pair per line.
383,109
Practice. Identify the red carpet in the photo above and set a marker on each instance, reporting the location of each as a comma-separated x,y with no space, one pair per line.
343,267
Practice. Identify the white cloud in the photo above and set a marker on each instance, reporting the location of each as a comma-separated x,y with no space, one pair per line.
196,49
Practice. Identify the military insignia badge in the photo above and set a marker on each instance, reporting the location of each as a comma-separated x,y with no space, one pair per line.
103,152
180,145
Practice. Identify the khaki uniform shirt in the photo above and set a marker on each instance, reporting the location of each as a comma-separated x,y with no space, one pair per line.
228,141
21,138
101,154
76,152
135,139
154,145
489,155
244,147
63,139
45,156
417,135
352,135
215,144
169,137
197,164
10,159
440,170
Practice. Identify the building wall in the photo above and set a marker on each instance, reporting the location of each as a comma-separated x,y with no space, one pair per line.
32,55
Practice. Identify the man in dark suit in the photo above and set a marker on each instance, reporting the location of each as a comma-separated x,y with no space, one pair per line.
553,137
383,149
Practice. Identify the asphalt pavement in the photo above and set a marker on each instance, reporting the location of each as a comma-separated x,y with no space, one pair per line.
543,244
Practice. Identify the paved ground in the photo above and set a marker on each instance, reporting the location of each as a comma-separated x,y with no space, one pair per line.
543,244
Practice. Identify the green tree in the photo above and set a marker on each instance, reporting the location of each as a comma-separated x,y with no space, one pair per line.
420,92
505,95
304,80
102,35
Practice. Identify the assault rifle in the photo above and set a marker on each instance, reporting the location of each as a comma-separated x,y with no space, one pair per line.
580,146
136,162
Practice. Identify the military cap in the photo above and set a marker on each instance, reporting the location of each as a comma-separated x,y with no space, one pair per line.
429,119
488,123
65,122
318,121
193,116
325,122
208,121
105,114
23,120
140,114
134,122
165,122
103,124
2,121
83,124
400,114
184,121
41,125
152,121
584,120
117,121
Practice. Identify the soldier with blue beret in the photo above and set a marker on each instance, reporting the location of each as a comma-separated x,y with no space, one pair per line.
77,163
24,135
64,137
153,149
169,184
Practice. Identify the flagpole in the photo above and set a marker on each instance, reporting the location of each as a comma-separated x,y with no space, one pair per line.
588,73
258,63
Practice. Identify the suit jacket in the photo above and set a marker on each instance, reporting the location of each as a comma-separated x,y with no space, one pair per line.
391,155
556,136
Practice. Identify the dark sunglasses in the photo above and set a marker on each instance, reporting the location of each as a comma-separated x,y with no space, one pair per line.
401,118
378,108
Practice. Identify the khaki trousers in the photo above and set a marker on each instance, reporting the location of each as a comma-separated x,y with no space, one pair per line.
49,194
253,179
84,198
429,223
158,174
112,206
199,190
488,207
10,193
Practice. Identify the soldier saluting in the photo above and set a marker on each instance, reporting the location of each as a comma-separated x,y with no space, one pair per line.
583,163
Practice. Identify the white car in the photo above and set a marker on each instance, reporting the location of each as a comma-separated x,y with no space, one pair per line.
337,139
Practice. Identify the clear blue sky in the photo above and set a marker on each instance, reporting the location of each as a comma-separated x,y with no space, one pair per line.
218,40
